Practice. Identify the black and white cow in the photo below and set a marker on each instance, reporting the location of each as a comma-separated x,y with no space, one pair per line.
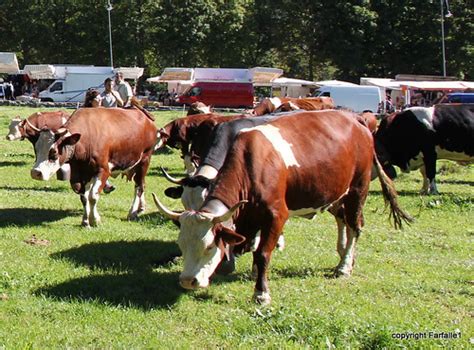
418,136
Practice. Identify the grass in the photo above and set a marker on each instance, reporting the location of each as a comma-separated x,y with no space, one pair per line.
115,286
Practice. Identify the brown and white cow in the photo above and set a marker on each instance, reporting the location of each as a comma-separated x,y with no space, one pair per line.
98,143
416,137
199,108
286,104
30,127
193,131
274,171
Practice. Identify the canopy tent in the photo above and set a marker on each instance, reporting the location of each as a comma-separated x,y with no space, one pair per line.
41,71
257,75
438,85
8,63
334,82
283,81
264,76
132,73
50,71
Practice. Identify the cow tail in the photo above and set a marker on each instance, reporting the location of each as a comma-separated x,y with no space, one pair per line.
390,196
136,103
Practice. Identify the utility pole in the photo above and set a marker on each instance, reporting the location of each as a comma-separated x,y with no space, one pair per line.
109,9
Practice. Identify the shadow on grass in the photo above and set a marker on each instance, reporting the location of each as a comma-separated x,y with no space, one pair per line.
455,182
128,278
13,163
122,256
42,189
144,290
32,216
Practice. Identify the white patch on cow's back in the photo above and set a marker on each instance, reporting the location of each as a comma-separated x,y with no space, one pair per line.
63,120
282,146
424,115
276,102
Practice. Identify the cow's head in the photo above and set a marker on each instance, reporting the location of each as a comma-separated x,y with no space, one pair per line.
52,150
268,105
16,129
202,240
192,190
199,108
162,137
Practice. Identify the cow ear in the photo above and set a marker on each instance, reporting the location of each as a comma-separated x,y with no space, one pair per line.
71,139
229,236
174,192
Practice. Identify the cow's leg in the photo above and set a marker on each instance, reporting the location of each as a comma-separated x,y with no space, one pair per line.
94,194
262,256
429,160
86,210
338,213
353,204
426,182
85,199
139,204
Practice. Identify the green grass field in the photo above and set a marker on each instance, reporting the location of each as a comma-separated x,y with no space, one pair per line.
108,287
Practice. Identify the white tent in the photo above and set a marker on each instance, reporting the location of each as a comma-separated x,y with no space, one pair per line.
8,63
334,83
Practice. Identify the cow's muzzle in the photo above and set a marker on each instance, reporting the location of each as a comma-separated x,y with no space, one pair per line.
189,283
36,174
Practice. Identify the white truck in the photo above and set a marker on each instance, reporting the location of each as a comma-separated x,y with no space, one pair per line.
357,98
71,82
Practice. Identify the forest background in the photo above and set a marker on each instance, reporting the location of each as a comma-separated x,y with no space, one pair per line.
308,39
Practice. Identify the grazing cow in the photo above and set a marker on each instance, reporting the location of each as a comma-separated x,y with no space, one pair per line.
199,108
209,154
181,133
274,171
276,104
418,136
30,127
98,143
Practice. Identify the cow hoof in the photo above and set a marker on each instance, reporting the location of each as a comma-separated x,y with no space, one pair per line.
85,224
262,298
132,216
342,273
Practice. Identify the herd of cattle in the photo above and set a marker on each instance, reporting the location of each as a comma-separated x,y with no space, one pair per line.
247,174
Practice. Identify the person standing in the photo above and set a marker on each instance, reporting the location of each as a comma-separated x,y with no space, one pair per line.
124,89
110,97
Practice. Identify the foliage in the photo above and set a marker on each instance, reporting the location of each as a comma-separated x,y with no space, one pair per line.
116,286
309,39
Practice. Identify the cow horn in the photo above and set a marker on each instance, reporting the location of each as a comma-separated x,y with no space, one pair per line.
169,177
228,215
165,211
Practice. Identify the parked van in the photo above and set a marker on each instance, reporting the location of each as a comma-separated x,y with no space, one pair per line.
356,98
70,82
461,97
219,94
73,82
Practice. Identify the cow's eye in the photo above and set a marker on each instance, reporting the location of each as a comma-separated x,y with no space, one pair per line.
53,154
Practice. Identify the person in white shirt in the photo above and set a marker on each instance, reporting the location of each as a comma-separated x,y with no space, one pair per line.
110,97
124,89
